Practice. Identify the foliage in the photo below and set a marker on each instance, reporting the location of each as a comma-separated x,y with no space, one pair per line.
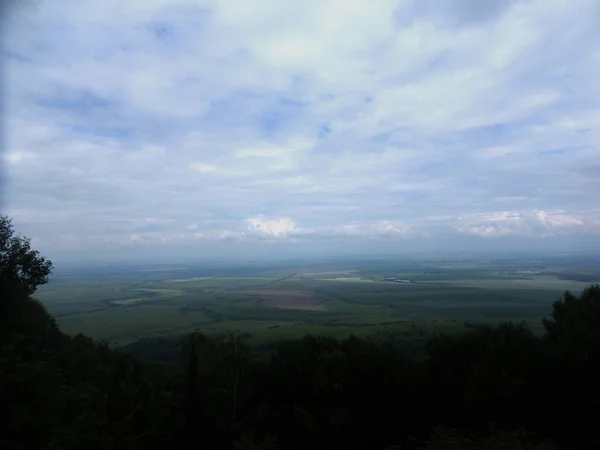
573,326
20,266
451,439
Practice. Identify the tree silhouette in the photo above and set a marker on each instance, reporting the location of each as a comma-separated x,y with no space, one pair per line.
20,266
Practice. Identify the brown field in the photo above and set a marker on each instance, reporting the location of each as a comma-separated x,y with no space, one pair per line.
329,273
305,300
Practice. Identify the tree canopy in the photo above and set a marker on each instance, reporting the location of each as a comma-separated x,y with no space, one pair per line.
21,267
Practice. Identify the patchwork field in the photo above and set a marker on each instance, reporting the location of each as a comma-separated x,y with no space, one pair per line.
266,303
288,299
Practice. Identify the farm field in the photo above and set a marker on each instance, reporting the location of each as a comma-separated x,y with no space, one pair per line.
266,303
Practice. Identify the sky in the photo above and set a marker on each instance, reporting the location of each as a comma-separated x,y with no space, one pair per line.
165,129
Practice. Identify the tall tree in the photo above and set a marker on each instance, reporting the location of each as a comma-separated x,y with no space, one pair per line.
235,362
574,326
572,344
21,268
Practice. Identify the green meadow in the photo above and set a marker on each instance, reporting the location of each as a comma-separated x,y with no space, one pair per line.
266,304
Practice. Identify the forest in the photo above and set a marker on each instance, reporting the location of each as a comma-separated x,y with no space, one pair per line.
489,388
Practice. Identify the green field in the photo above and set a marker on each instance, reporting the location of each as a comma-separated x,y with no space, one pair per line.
267,303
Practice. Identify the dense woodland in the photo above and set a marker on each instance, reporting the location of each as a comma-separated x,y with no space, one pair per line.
489,388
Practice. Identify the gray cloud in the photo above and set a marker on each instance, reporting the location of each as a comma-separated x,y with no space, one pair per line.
455,13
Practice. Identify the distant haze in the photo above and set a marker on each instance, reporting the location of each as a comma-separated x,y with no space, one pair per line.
162,130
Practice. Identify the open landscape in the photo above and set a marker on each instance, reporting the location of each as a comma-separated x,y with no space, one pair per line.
266,303
276,225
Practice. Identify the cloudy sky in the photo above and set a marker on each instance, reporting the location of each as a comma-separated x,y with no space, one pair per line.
224,127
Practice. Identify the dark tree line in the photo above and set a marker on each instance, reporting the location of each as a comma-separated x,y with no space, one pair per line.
486,389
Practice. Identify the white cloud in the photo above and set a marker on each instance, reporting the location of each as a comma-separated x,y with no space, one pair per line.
285,227
259,152
275,228
527,223
375,229
16,157
558,219
203,167
495,152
